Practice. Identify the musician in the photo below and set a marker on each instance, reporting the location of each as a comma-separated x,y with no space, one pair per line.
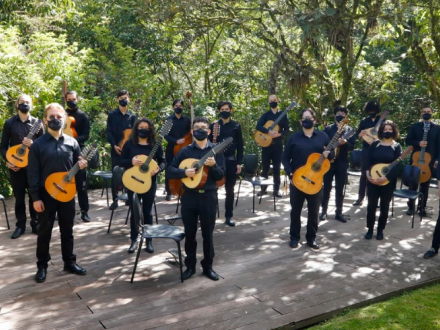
233,154
199,203
415,139
82,128
339,166
181,127
433,251
142,141
385,150
273,152
15,131
118,120
53,152
298,148
372,108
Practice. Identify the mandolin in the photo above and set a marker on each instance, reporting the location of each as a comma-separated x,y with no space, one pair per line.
199,180
61,185
18,155
215,134
309,178
69,129
381,170
422,159
138,178
188,136
264,139
127,132
371,135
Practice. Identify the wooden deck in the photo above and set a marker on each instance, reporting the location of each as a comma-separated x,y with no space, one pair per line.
264,284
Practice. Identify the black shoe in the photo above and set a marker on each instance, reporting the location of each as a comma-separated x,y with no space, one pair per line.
40,276
340,217
168,197
313,245
369,234
293,243
35,229
114,206
423,213
379,235
323,216
84,216
188,273
211,274
133,246
358,202
17,233
149,248
74,268
410,211
277,194
430,253
229,222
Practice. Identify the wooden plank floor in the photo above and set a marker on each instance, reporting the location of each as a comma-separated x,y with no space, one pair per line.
264,284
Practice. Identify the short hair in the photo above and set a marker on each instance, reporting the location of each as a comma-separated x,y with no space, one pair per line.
309,110
177,101
53,105
426,106
393,126
20,97
134,132
200,119
340,108
71,92
372,106
222,103
122,92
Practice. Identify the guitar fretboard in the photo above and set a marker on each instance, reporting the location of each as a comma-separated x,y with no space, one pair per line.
425,138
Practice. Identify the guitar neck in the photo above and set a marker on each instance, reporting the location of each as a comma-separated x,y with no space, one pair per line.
31,133
219,148
401,157
153,152
276,122
425,138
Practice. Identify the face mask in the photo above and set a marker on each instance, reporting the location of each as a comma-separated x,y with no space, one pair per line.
178,110
225,114
24,108
200,134
339,118
273,105
143,133
387,135
72,104
307,123
55,124
426,116
372,115
123,103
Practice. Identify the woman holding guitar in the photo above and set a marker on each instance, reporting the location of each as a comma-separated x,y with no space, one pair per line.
15,132
385,150
142,141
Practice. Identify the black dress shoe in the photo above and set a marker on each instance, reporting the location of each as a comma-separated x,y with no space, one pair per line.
168,197
35,229
323,216
340,217
293,243
358,202
40,276
211,274
430,253
410,211
188,273
277,194
114,206
313,245
85,217
74,269
229,222
133,246
149,248
17,233
379,235
369,234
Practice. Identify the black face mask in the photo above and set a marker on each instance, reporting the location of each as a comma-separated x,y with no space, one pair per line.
307,123
178,110
55,124
273,105
143,133
123,103
426,116
373,114
200,134
387,135
72,104
24,108
225,114
340,118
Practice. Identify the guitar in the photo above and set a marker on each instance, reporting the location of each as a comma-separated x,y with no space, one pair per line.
422,159
215,134
18,154
69,129
264,139
138,178
127,132
188,137
309,178
347,135
61,185
381,170
371,135
199,180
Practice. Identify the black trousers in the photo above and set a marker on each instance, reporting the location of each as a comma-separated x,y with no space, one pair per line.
424,189
169,155
436,236
338,170
115,162
231,178
19,185
297,198
197,206
66,216
385,193
272,153
147,209
81,188
363,179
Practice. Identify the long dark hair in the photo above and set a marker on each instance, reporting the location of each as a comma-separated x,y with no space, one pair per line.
134,132
393,126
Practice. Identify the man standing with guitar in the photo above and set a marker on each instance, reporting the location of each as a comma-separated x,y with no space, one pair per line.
275,150
424,136
224,128
15,131
117,121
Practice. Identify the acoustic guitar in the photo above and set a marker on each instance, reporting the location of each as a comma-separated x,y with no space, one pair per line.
188,136
309,178
381,170
19,155
347,135
215,134
61,185
264,139
422,159
127,132
69,128
138,178
371,135
199,180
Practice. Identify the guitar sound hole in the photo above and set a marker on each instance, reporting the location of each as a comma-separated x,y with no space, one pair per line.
316,167
143,168
385,171
20,152
373,132
420,161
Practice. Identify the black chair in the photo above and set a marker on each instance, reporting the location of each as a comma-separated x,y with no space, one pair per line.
6,213
249,174
355,163
410,178
106,176
118,172
153,232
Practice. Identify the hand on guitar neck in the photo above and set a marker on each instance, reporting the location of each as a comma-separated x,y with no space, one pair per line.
191,172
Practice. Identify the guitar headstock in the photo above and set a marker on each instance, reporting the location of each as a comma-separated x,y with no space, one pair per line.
293,104
63,93
406,152
166,127
89,151
137,106
37,126
342,124
216,129
384,115
224,144
188,96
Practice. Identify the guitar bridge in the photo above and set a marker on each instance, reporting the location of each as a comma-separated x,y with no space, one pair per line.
17,158
263,137
138,180
60,188
378,173
307,179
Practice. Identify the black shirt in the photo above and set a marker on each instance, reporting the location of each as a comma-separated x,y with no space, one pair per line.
15,130
117,123
364,124
299,147
283,124
345,148
377,153
230,129
215,173
48,155
82,125
415,135
181,126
